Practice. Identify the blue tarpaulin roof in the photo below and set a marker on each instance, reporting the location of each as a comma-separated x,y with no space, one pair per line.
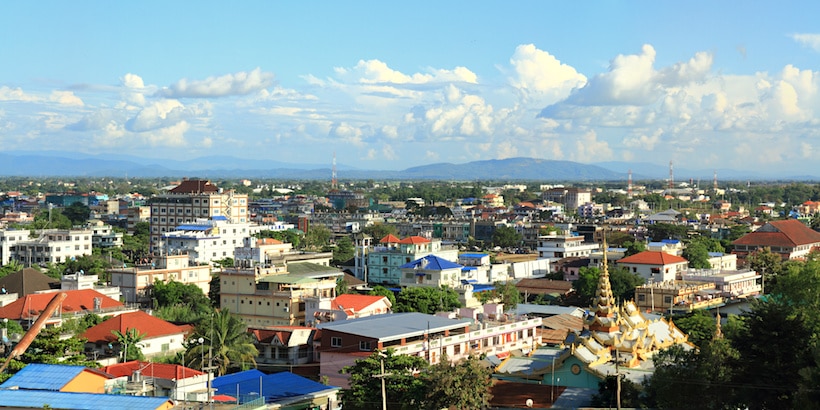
273,387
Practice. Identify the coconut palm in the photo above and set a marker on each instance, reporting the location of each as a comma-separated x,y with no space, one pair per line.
222,342
129,343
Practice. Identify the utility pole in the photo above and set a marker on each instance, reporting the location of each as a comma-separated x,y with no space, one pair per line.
617,380
382,376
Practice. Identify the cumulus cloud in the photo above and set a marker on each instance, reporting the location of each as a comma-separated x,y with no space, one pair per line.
15,94
588,148
538,74
159,114
646,142
628,81
241,83
809,40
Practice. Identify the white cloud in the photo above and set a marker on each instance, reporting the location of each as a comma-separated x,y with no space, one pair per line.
589,148
376,72
241,83
66,98
628,81
809,40
159,114
646,142
15,94
540,75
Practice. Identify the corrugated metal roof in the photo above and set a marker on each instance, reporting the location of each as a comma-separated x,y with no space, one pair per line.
36,376
193,227
79,401
273,386
431,262
394,326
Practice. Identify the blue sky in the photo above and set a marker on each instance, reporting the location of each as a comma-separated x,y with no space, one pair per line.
390,85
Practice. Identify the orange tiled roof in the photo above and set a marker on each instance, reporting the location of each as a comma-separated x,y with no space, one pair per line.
785,233
147,369
390,238
413,240
269,241
351,303
151,326
75,301
652,258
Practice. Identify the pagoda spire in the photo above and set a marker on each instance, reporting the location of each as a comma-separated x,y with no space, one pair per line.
603,305
718,330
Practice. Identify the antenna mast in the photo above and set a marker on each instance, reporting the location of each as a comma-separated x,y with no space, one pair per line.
671,176
629,186
333,182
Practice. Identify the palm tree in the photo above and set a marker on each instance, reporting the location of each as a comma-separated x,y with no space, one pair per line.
225,343
129,342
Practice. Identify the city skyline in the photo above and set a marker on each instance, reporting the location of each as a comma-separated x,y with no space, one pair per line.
391,86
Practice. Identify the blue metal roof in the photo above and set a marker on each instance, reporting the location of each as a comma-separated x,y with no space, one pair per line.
469,268
219,218
273,387
37,399
433,263
193,227
37,376
716,254
473,255
672,241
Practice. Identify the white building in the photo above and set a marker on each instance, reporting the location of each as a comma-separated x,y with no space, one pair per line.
8,239
730,283
206,240
53,246
555,247
103,235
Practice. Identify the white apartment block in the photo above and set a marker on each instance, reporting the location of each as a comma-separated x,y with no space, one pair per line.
53,246
555,247
205,240
8,239
191,200
103,235
135,282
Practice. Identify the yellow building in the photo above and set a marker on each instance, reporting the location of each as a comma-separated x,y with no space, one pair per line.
265,297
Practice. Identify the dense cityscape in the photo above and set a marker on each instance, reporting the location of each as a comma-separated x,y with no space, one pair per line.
183,293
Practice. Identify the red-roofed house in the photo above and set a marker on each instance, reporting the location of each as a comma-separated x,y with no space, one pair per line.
168,380
76,304
351,306
390,238
160,337
789,238
655,265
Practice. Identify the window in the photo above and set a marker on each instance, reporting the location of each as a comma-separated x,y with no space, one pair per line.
335,342
408,275
364,346
667,300
641,297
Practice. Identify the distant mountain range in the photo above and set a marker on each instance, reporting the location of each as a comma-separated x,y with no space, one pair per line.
52,163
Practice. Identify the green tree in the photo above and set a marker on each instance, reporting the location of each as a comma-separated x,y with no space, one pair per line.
214,289
634,247
317,237
404,389
344,251
697,255
380,230
173,293
129,344
12,266
767,263
661,231
506,237
426,300
226,344
463,385
503,292
607,395
379,290
585,285
699,325
51,219
77,213
621,281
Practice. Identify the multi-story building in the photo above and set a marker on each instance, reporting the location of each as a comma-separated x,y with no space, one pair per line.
385,260
135,282
103,235
262,297
791,239
190,200
427,336
53,246
555,247
135,215
731,283
570,197
206,240
8,239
